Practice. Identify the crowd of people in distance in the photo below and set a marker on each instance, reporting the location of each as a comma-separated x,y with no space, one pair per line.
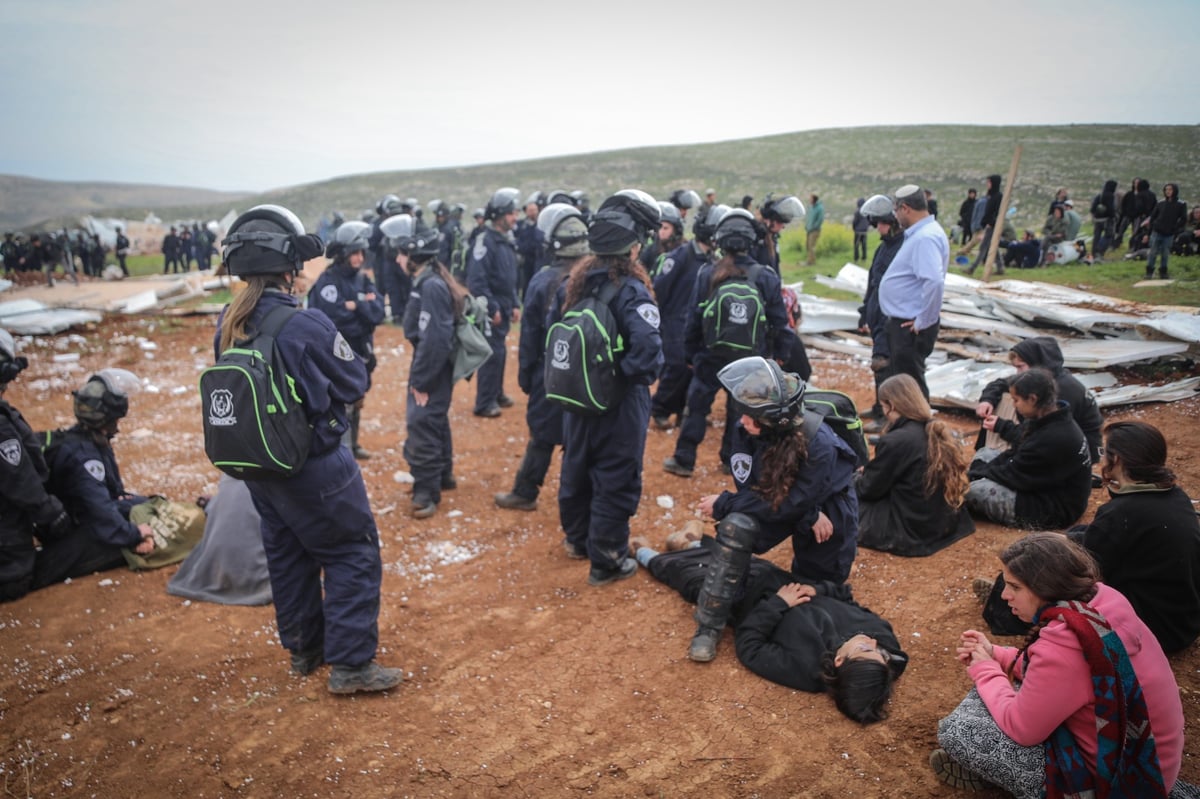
668,323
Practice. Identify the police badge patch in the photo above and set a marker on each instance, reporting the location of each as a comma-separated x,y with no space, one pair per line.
96,469
740,465
329,293
341,348
667,265
423,321
11,451
649,312
480,249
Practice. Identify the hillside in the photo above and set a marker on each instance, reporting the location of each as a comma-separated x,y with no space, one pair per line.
838,164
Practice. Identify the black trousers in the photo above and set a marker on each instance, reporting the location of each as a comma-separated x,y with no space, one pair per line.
909,351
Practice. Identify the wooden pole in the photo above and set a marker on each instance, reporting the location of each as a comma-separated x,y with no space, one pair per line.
998,226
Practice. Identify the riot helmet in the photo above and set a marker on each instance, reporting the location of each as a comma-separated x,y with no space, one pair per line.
879,208
736,231
624,219
479,214
670,213
763,391
706,223
104,398
503,201
784,209
581,199
537,198
11,364
385,201
685,199
561,196
437,208
424,243
563,228
397,229
268,240
349,238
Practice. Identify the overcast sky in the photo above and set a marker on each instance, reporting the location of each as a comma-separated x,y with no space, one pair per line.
254,95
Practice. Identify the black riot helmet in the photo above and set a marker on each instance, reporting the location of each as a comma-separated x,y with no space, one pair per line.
560,196
268,240
763,391
503,201
879,208
563,228
104,398
438,208
706,223
784,209
11,364
684,199
670,213
537,198
388,200
349,238
737,231
624,219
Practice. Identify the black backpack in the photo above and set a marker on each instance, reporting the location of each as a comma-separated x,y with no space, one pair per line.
255,427
839,412
582,352
734,317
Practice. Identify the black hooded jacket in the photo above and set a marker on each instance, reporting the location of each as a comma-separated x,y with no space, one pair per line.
1104,204
1169,216
993,201
1044,352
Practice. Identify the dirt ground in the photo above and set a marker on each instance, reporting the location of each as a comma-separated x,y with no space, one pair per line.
522,679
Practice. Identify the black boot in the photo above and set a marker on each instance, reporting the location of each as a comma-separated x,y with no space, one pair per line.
722,582
360,454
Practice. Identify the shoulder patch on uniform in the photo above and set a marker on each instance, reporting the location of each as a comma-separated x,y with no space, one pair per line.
649,312
423,321
329,293
96,469
667,265
341,348
480,248
11,451
740,465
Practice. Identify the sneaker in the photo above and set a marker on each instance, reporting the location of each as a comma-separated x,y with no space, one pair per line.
449,482
305,663
363,679
513,501
598,576
504,401
490,412
953,774
982,588
423,507
672,466
574,552
359,453
704,644
663,422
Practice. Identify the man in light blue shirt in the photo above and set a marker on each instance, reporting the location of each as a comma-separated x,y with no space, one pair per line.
911,291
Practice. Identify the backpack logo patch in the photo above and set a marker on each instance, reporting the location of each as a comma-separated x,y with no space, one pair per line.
649,312
220,408
738,314
329,293
341,348
96,469
740,465
562,355
11,451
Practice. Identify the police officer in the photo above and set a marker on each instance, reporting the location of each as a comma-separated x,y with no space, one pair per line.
347,296
26,509
317,527
879,212
601,481
776,215
563,228
674,288
84,475
666,238
392,281
529,240
683,201
492,273
735,234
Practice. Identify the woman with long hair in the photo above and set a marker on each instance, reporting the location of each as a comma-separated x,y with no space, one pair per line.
1087,704
911,494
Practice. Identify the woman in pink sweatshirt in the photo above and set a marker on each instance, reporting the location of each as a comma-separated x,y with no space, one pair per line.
1067,711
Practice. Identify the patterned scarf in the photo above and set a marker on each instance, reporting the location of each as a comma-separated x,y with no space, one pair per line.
1126,758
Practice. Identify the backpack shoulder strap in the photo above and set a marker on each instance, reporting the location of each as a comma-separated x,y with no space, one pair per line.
275,319
606,292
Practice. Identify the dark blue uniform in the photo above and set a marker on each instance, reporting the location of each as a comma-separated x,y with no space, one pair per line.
397,280
341,283
824,484
318,523
601,481
704,384
544,418
85,477
25,505
429,326
492,273
529,251
674,285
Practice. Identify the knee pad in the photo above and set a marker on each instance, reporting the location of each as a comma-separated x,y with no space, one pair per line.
737,531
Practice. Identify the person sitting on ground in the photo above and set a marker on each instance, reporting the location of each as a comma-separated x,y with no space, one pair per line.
26,509
84,475
1098,708
807,635
910,495
1146,538
793,477
1054,231
1024,254
1188,242
1043,352
1043,481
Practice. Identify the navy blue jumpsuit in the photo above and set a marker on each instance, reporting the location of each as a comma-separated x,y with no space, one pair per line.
601,481
674,285
429,326
704,385
492,273
544,418
317,525
341,283
824,484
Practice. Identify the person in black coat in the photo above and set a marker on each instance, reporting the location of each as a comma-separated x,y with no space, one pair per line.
1146,538
965,212
1044,480
1040,352
910,496
1104,217
1165,222
811,636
